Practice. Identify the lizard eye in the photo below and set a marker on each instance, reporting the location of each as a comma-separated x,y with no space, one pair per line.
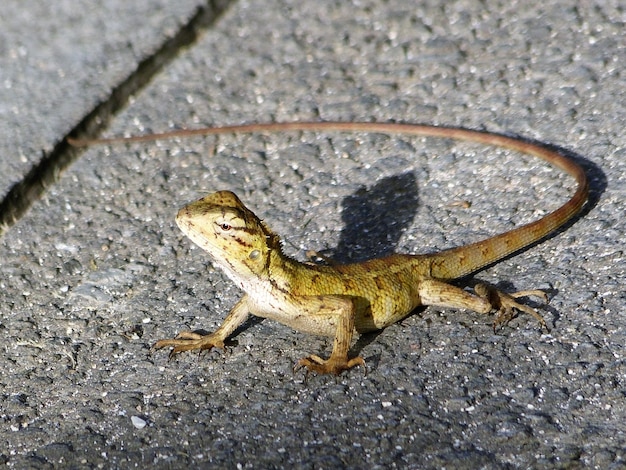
225,226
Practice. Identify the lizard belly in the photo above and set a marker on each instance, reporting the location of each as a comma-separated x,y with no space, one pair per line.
313,301
379,299
309,314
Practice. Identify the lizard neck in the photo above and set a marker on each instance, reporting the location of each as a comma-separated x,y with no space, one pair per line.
271,285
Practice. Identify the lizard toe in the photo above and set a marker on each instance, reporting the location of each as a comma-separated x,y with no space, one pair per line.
334,366
507,306
181,344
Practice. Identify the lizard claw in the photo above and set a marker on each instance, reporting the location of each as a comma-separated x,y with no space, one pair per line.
506,305
189,341
335,366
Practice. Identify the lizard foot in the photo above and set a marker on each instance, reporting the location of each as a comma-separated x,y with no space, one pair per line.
506,305
329,366
188,341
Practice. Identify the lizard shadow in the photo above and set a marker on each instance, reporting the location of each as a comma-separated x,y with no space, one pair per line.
375,218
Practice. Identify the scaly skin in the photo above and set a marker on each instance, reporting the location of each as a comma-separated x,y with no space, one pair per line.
334,300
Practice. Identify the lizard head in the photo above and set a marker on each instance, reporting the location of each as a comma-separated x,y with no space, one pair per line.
237,240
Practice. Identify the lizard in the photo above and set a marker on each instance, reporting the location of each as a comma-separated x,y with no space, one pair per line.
340,300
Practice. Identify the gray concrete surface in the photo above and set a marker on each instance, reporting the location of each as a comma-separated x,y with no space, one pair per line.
57,61
97,271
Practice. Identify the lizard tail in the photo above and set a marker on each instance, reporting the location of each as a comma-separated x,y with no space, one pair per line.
461,261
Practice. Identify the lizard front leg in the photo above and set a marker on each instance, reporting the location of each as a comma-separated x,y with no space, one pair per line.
188,340
330,315
488,299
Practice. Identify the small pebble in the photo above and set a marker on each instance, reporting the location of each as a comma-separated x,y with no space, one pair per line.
138,422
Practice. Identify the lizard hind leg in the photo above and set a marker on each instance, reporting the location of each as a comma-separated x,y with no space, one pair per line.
486,300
